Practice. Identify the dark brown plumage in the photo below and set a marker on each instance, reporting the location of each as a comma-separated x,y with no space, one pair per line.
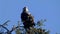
27,18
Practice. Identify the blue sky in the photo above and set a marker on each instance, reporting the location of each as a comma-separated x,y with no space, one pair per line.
40,9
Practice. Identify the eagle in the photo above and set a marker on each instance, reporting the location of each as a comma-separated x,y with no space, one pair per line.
27,18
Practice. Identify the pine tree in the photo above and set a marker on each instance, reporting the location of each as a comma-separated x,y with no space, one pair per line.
18,30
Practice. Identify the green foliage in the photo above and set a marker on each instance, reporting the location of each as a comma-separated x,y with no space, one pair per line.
35,30
17,31
32,30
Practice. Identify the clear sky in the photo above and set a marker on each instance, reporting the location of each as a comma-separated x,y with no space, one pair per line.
40,9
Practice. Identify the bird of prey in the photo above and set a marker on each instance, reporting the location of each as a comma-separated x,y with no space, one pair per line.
27,18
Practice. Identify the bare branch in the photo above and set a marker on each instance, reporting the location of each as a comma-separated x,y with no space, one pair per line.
6,22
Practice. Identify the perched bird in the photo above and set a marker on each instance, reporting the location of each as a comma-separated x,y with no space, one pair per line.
27,18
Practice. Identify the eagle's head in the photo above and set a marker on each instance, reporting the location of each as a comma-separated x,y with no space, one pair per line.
25,9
